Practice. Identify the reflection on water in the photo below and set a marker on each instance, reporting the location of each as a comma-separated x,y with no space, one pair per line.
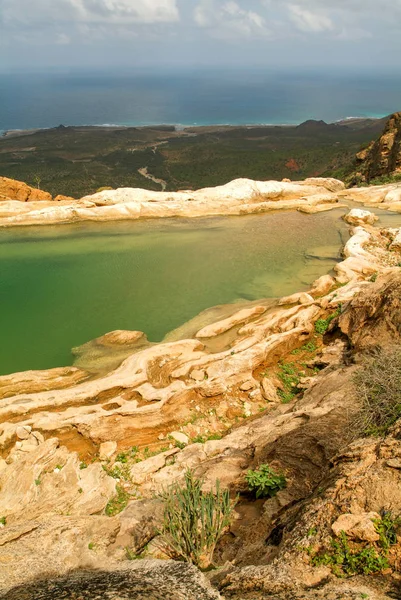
62,286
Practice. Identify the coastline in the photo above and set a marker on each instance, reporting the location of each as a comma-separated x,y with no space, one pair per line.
181,127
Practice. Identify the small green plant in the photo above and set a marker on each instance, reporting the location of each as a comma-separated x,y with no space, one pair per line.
374,277
310,346
37,481
214,436
80,490
322,325
290,378
3,521
199,439
130,554
194,520
83,465
386,527
91,545
265,482
122,457
312,532
59,467
118,502
344,560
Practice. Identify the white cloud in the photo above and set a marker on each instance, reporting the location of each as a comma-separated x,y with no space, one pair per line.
228,19
114,11
308,21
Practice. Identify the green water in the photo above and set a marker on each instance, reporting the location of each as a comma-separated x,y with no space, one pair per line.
62,286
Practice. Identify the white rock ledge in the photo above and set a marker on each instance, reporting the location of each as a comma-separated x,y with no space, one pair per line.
241,196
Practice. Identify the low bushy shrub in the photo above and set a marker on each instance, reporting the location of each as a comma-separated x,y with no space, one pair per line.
378,382
264,482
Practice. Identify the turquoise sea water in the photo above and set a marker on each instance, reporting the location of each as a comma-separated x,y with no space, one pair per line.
193,97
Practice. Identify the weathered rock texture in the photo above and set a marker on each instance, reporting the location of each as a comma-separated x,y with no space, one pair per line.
144,580
225,381
241,196
10,189
382,157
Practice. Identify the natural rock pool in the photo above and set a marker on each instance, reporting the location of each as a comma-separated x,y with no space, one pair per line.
62,286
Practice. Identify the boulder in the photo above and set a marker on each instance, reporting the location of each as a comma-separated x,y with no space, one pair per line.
359,527
10,189
356,216
107,449
322,286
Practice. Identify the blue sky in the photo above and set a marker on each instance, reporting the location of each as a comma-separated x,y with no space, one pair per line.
37,34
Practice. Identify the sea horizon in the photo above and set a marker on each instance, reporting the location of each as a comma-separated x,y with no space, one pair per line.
192,99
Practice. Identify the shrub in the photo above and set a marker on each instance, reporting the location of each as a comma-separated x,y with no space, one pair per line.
322,325
378,381
387,527
345,560
193,520
265,482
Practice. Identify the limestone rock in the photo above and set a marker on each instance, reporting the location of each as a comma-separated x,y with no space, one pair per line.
359,526
396,243
40,381
11,189
356,216
238,318
300,298
247,386
322,286
23,433
121,338
107,449
241,196
179,437
269,391
62,198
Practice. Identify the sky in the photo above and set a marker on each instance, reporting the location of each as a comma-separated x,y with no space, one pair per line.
44,34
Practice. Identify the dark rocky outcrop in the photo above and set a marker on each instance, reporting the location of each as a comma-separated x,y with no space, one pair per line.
383,157
146,580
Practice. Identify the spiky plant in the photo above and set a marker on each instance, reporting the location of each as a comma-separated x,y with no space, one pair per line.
194,520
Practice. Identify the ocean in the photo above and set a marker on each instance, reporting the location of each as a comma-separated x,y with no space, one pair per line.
198,97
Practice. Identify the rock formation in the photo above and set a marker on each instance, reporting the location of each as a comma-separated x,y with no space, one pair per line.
383,157
242,196
10,189
84,457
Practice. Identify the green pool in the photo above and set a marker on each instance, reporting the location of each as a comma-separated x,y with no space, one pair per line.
62,286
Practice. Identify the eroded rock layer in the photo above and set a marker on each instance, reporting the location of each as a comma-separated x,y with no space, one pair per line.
83,463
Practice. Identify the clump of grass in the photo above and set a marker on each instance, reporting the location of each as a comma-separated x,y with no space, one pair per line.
264,482
194,520
378,382
3,521
118,502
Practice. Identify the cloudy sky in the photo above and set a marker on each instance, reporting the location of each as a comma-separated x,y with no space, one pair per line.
129,33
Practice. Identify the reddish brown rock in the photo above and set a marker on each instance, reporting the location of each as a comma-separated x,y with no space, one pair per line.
10,189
